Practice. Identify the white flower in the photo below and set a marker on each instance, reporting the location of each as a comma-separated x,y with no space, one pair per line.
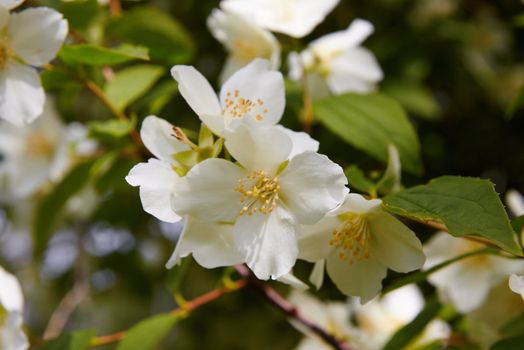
265,202
334,317
382,317
515,202
157,178
12,336
337,63
254,93
360,241
516,284
296,18
28,38
465,283
500,307
38,153
244,41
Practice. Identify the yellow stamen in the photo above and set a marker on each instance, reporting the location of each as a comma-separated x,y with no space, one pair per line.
351,238
258,193
39,145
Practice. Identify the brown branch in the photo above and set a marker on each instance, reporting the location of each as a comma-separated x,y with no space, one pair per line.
289,309
72,299
184,309
115,8
97,91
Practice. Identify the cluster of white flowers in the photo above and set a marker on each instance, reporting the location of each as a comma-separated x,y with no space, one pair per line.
28,39
274,199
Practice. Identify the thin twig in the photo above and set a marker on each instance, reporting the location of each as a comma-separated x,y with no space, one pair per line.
183,310
289,309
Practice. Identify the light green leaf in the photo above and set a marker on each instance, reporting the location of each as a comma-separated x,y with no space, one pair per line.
93,55
72,341
112,128
51,206
131,83
167,40
415,98
413,329
358,180
370,123
148,333
467,206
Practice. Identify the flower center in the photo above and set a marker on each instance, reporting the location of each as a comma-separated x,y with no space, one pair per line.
258,193
6,54
237,106
352,237
245,50
38,145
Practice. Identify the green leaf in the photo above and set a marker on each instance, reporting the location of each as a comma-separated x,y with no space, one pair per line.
80,14
131,83
514,343
157,98
51,206
514,327
57,79
467,206
518,224
410,331
167,40
148,333
358,180
72,341
112,128
517,103
93,55
415,98
370,123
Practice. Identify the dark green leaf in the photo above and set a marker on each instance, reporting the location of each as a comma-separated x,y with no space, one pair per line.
93,55
167,40
148,333
514,343
517,103
72,341
130,83
515,327
407,333
371,123
157,98
518,224
467,206
56,79
80,14
51,206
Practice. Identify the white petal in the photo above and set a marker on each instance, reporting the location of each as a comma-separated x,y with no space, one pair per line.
244,40
295,66
314,239
22,96
302,142
157,181
356,203
258,148
254,92
10,4
357,70
157,135
312,185
200,96
11,297
211,244
361,279
12,336
515,202
268,242
36,34
317,274
394,244
292,281
207,192
516,284
336,42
